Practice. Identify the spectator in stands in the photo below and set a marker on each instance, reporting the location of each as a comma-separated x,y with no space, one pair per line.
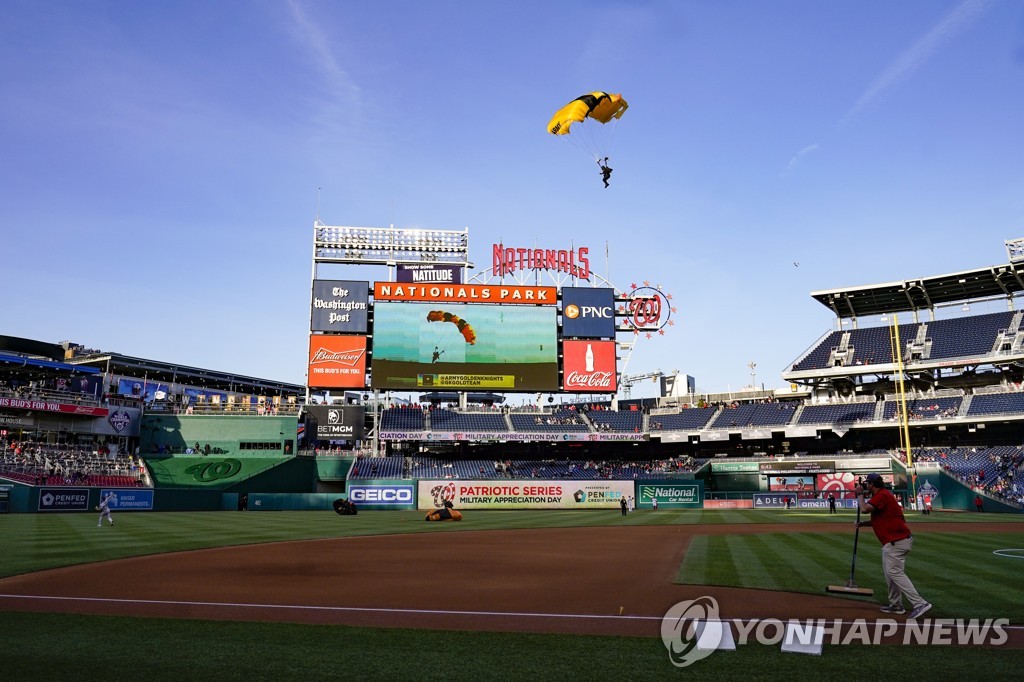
892,531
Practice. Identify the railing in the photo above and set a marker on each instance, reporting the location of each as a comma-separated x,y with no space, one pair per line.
48,395
213,409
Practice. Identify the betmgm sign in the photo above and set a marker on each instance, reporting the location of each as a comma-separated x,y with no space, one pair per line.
337,422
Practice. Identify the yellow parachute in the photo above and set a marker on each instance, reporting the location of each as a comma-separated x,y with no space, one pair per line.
597,106
588,123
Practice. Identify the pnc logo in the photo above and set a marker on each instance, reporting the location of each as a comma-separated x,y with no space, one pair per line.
572,311
603,312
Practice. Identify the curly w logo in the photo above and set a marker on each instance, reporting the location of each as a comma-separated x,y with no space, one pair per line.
208,472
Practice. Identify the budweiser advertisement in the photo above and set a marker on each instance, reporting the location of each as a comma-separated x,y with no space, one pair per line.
337,361
589,367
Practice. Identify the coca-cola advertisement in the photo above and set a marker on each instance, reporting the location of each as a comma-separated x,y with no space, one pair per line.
589,367
337,361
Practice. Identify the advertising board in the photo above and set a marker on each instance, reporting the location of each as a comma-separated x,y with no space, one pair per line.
529,494
337,361
464,293
63,499
429,273
589,367
129,498
670,495
588,313
796,466
735,467
339,306
337,422
464,347
772,501
382,495
841,483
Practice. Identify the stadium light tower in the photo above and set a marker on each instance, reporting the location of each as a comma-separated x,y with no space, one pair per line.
1015,250
389,246
753,375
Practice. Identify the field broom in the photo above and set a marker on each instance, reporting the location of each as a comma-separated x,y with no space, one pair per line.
851,585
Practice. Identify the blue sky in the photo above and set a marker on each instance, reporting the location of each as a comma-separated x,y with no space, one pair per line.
162,161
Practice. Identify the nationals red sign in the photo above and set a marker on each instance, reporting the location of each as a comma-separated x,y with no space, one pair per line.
589,367
337,361
508,260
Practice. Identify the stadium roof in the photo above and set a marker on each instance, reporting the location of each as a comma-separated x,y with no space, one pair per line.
997,281
158,371
8,361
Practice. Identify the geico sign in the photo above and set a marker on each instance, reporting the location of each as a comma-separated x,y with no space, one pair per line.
402,495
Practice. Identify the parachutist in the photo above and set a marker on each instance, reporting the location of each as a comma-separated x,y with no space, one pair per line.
606,171
436,355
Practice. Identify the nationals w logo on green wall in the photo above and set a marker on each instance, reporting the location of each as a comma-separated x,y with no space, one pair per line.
673,495
207,472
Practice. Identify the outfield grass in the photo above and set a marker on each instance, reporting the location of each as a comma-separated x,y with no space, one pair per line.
953,570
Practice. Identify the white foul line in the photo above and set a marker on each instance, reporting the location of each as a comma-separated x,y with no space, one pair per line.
428,612
422,612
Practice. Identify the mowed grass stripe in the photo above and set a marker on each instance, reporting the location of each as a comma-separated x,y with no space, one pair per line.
695,565
956,572
747,558
792,565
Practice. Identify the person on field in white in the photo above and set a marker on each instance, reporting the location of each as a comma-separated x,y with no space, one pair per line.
104,509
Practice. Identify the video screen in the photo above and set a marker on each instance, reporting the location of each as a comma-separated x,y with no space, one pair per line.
456,346
791,483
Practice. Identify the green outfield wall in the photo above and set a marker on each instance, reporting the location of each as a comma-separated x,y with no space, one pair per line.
234,435
955,495
292,501
234,474
334,468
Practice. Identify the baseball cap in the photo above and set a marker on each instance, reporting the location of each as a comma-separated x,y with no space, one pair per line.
874,478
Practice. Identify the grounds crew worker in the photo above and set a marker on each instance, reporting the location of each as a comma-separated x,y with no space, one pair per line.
892,531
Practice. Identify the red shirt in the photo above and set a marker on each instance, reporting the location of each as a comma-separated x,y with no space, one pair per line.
887,518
